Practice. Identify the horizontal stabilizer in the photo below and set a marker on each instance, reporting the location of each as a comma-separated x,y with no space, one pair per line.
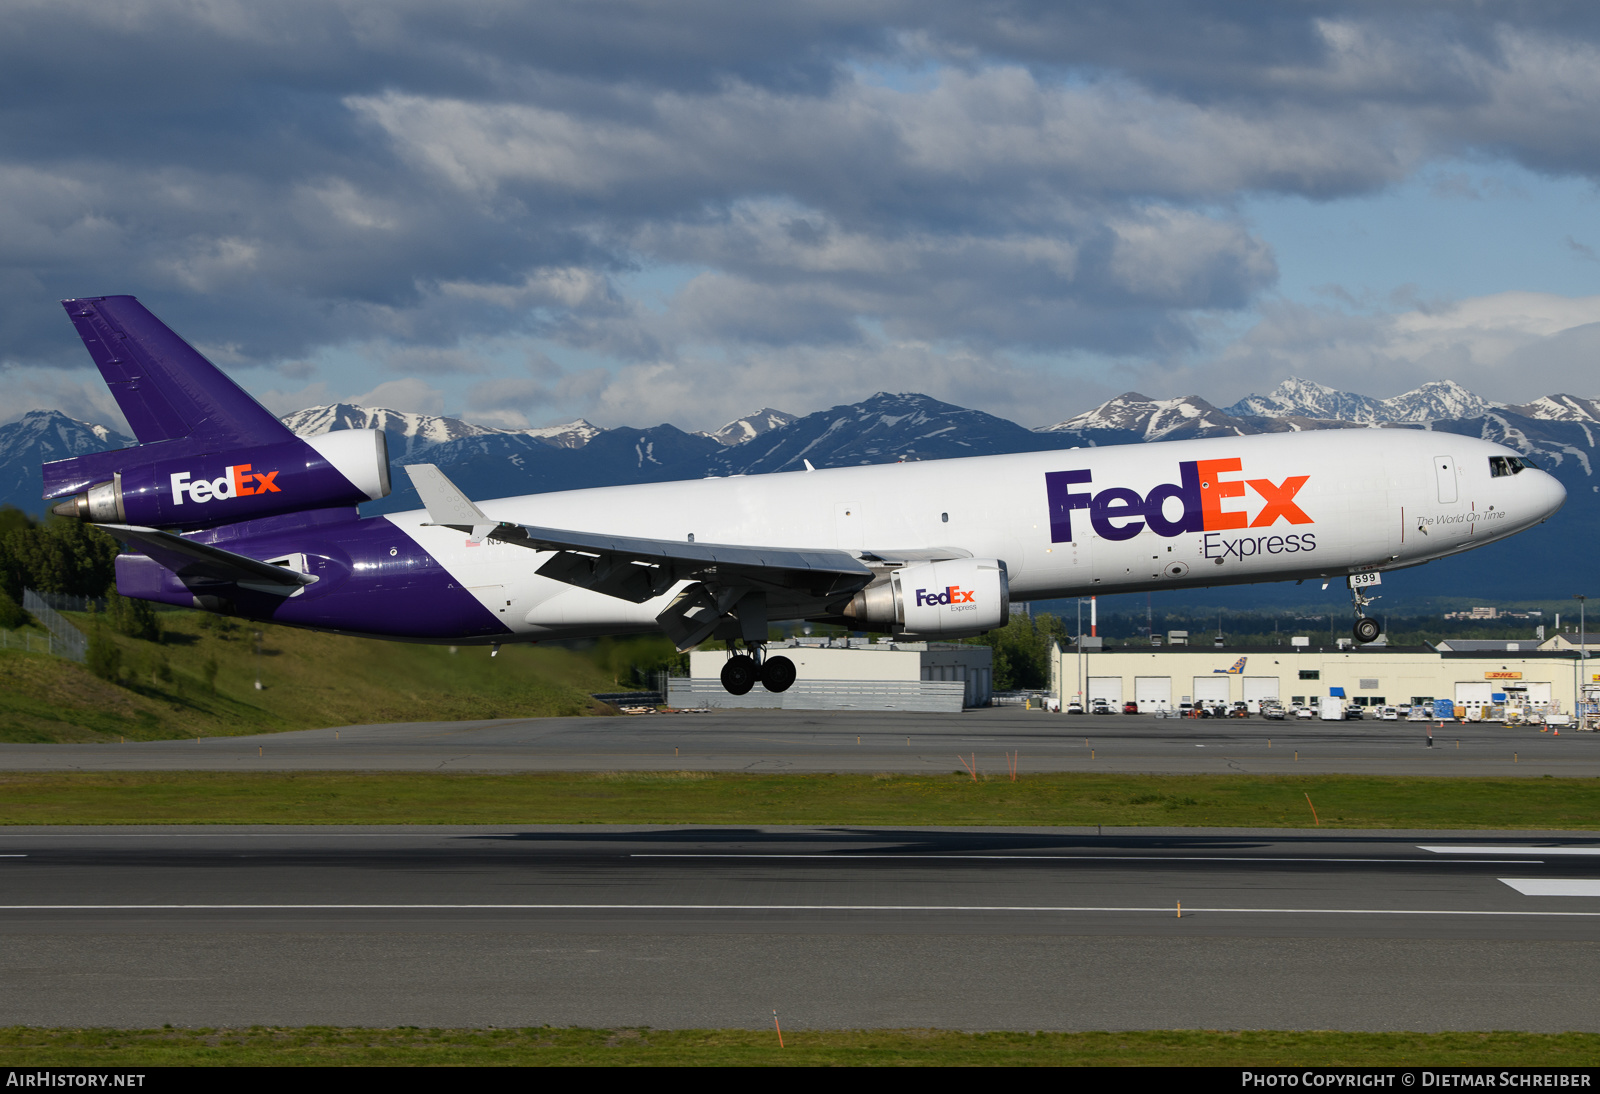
200,562
167,390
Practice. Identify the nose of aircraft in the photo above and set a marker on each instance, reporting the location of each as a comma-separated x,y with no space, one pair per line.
1552,495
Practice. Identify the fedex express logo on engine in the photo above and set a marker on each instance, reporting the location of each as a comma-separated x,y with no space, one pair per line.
1204,495
953,595
236,482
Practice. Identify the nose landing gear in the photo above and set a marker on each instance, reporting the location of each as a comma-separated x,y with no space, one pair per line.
741,671
1366,628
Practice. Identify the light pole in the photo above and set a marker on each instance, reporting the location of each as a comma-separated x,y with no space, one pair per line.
1583,653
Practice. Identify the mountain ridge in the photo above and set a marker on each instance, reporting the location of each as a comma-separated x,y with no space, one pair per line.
1557,431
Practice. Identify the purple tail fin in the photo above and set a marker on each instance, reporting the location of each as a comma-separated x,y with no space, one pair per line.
164,386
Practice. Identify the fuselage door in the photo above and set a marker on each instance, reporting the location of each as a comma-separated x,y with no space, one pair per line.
1444,470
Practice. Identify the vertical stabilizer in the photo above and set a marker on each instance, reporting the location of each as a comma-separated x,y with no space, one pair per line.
165,387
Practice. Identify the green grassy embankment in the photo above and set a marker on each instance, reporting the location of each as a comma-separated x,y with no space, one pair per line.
314,1046
1247,801
310,680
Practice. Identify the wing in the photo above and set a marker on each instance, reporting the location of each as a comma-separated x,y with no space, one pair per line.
733,588
200,562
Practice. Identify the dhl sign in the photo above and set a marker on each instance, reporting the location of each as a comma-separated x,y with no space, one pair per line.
1502,676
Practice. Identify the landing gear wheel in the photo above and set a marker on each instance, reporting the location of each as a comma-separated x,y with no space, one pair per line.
739,675
777,673
1366,630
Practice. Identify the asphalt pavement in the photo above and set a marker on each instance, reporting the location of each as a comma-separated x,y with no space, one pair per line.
866,741
833,927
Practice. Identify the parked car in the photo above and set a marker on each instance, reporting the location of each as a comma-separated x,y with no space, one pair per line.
1240,710
1099,706
1275,713
1074,707
1388,714
1355,713
1305,712
1130,707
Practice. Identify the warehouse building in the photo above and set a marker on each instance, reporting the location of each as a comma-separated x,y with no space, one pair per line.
1163,678
852,674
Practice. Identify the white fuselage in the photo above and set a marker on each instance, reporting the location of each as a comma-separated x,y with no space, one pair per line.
1300,505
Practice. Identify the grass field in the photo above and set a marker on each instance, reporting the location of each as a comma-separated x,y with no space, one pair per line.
1342,801
28,1047
309,680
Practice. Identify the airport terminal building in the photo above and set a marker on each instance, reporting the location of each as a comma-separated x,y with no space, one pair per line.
1164,677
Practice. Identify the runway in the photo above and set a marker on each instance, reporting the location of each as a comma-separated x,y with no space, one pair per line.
834,928
865,741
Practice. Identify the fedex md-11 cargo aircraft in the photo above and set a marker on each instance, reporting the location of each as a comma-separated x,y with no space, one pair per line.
227,510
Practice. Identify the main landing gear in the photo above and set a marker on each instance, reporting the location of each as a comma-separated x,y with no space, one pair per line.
742,671
1366,628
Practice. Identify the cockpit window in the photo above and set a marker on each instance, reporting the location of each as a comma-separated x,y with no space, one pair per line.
1508,465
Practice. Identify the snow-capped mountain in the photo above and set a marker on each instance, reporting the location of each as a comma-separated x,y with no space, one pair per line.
407,433
574,434
1560,408
884,428
1297,398
751,426
39,437
1142,418
1434,401
410,433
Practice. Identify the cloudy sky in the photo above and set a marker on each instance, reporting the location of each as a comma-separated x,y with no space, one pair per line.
521,212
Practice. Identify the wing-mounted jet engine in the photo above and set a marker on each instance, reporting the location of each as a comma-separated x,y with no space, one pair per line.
953,598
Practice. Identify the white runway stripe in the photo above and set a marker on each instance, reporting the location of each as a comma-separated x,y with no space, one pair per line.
912,856
1447,849
1561,886
1165,910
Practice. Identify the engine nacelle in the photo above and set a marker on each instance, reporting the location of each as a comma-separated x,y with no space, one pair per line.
345,467
953,599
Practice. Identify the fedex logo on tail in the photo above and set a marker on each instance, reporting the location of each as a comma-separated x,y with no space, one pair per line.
238,481
953,595
1204,494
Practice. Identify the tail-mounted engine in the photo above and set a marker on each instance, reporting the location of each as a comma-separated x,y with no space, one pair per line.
197,489
951,599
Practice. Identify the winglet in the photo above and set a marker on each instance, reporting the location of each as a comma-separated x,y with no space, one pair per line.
447,506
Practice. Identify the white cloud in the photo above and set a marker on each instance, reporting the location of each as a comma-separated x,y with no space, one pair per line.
409,394
1508,347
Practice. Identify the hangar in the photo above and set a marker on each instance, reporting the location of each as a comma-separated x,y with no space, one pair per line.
852,674
1161,678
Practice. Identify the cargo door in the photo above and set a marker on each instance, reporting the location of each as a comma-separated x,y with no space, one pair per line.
1257,689
1152,693
1108,688
1444,471
1475,695
1211,689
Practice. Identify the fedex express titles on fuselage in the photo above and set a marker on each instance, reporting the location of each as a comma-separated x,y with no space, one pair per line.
1098,520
